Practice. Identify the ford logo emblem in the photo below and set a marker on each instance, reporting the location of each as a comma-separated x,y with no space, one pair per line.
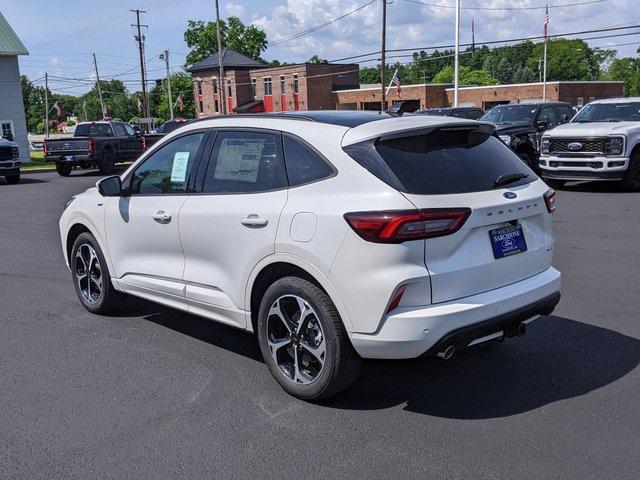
510,195
574,146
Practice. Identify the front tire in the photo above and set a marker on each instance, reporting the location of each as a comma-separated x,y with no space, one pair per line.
631,179
91,277
12,179
303,340
63,170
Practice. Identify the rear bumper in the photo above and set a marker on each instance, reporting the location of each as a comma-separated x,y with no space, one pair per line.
71,159
412,332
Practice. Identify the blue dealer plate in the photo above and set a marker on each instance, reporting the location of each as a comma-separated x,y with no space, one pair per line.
507,241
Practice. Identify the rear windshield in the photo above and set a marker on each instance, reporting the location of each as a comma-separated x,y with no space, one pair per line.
444,161
93,130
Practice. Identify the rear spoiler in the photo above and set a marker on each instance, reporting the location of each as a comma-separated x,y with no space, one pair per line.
410,125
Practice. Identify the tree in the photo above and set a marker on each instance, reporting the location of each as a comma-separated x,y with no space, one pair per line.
626,70
181,85
117,100
201,39
467,76
566,59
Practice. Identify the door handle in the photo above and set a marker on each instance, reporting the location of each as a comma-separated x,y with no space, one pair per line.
254,221
161,216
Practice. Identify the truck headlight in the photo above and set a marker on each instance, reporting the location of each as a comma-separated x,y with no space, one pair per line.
506,139
614,146
544,145
14,152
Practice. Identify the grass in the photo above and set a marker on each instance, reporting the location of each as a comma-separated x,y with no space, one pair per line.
38,162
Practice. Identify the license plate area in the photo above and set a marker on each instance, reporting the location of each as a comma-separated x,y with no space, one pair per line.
507,241
68,158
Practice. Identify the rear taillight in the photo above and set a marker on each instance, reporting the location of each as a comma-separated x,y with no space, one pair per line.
143,143
402,225
92,145
45,148
550,200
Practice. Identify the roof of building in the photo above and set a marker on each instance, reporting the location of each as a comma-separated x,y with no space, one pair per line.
10,44
230,60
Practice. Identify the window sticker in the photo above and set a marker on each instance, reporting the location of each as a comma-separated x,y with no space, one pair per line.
179,168
239,160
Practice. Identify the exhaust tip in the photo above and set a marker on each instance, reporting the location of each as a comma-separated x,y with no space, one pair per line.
447,353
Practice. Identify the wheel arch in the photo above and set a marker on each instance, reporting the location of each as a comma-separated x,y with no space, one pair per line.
278,266
79,225
635,151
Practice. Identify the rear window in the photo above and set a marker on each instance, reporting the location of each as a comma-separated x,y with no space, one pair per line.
93,130
445,161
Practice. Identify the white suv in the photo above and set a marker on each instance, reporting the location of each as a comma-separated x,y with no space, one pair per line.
334,236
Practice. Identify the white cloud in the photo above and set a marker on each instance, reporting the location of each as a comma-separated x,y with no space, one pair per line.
235,9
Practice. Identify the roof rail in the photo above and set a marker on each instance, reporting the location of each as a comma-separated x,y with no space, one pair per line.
279,115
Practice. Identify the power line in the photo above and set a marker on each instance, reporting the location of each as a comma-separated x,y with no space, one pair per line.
318,27
507,9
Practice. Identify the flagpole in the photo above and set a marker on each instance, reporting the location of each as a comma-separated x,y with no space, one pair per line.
544,74
391,82
456,72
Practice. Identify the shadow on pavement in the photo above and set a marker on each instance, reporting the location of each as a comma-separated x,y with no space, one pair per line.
595,187
558,359
24,180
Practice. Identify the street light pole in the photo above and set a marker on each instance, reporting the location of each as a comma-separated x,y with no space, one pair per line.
165,56
221,85
383,98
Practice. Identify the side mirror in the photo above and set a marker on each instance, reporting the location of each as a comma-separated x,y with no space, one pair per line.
110,186
542,124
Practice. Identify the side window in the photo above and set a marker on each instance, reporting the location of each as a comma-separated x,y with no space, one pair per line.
120,130
304,165
167,170
565,114
129,129
245,162
548,114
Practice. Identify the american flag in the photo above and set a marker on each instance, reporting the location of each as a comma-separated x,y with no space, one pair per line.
396,82
546,22
180,102
57,109
139,105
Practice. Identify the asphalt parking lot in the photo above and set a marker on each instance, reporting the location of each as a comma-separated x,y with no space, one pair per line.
156,393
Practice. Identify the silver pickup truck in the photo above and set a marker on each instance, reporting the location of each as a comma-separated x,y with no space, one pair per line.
9,161
602,142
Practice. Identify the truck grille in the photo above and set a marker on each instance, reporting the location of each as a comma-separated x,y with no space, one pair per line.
588,147
5,153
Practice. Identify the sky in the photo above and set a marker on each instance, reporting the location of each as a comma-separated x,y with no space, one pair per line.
61,36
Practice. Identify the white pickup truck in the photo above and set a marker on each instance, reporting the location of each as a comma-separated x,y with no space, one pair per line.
602,142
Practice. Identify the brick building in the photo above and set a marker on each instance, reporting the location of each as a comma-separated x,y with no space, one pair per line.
423,95
305,86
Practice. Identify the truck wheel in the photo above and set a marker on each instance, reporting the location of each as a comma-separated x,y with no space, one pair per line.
106,166
91,277
63,170
555,184
303,340
12,179
85,165
631,180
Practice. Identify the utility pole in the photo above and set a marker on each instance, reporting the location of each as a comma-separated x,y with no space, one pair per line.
544,70
46,104
456,72
95,64
165,57
383,98
221,83
140,39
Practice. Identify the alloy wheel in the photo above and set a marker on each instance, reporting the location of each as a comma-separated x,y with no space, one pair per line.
88,273
296,339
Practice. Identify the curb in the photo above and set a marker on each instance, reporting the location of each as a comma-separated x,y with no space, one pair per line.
37,170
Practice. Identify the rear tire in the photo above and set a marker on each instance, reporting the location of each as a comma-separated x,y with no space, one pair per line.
106,166
310,354
12,179
91,277
631,180
555,184
63,170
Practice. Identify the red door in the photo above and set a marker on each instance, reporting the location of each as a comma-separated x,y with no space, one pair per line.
229,105
268,103
296,102
283,102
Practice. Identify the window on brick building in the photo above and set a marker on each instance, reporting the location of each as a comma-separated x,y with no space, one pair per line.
254,88
295,83
282,85
229,92
267,86
215,85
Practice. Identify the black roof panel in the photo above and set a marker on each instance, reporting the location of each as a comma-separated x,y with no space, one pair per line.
345,118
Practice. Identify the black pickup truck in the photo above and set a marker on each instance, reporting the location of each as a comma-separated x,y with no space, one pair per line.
94,144
521,125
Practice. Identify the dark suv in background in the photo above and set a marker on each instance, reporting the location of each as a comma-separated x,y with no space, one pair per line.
473,113
521,125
